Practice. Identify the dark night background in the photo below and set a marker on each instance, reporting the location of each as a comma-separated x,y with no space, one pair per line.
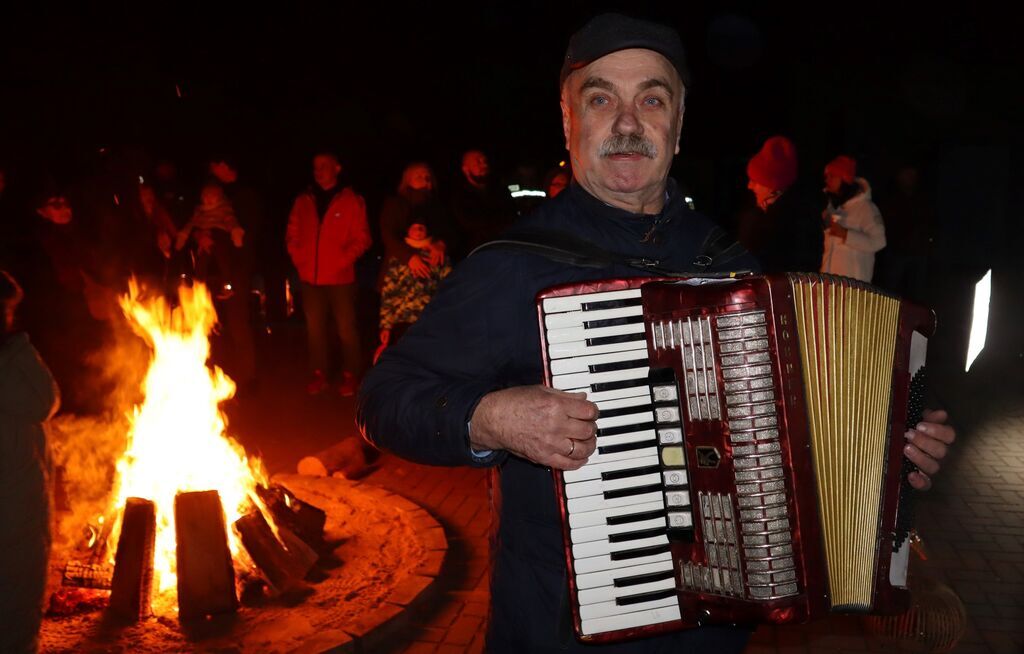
85,89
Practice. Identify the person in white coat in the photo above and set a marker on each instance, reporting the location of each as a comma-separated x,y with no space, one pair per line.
854,230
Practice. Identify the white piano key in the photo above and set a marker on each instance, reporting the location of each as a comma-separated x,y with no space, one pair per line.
564,382
576,302
600,517
610,593
598,459
595,563
622,439
639,400
608,577
601,547
595,502
626,419
568,334
582,364
596,486
641,390
577,318
603,531
593,471
608,609
630,620
580,348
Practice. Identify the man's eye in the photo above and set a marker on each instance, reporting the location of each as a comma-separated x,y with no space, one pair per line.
653,102
599,100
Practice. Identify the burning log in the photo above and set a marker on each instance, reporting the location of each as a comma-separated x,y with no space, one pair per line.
348,457
80,574
303,519
283,568
206,577
133,564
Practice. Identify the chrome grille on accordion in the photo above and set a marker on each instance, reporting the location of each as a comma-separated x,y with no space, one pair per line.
737,417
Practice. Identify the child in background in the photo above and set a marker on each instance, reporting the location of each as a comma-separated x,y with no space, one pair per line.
213,213
403,295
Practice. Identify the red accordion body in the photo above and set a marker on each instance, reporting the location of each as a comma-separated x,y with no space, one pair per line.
749,464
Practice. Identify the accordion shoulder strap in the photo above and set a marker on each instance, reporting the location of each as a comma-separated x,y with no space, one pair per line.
718,248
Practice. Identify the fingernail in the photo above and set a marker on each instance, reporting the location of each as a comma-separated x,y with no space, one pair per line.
909,435
923,426
908,449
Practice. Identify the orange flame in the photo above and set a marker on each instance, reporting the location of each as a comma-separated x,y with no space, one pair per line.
178,441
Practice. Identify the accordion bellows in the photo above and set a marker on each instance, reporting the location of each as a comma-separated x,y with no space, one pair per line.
749,464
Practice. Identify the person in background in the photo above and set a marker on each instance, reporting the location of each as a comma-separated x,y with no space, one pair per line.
556,181
28,397
781,229
854,230
327,232
481,207
414,204
405,293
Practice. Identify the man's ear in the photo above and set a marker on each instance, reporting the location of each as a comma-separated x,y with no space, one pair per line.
679,126
566,119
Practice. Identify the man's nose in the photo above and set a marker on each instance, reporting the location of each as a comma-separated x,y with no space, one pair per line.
627,123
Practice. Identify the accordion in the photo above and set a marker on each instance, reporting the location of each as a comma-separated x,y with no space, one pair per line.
749,464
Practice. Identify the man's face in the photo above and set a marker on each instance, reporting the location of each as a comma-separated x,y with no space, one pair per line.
833,182
223,171
57,210
762,193
326,170
622,116
421,179
474,164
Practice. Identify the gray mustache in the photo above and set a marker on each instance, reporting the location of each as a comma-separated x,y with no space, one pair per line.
627,144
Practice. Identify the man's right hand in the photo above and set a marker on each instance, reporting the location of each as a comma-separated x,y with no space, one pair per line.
549,427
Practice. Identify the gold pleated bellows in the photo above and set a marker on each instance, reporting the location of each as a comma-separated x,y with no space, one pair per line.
847,335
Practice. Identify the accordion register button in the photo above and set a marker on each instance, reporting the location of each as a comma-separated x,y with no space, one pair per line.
665,393
666,436
672,456
677,498
675,478
680,520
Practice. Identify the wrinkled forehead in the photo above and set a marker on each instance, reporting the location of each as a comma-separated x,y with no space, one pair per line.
626,70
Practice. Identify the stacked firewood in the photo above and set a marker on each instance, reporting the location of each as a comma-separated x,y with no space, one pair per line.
283,553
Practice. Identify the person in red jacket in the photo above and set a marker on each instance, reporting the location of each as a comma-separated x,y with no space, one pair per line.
327,232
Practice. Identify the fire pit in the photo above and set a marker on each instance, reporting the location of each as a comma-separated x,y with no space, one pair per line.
189,542
386,552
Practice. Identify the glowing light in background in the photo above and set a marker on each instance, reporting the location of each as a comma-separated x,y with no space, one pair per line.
979,320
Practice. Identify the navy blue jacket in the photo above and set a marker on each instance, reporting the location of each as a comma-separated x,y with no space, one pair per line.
480,334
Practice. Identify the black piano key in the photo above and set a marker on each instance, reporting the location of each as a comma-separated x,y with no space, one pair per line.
645,597
629,472
627,492
624,429
612,304
611,521
627,536
626,447
617,365
637,580
615,385
624,411
610,340
612,322
640,553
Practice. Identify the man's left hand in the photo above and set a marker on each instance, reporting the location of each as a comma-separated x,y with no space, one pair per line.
927,444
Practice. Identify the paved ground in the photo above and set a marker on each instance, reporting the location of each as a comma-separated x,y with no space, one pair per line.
972,523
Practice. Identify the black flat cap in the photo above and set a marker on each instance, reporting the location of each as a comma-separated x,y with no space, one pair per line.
608,33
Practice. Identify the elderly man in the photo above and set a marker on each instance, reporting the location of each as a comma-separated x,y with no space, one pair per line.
463,388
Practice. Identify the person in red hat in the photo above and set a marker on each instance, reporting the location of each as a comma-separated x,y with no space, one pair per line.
782,229
854,230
